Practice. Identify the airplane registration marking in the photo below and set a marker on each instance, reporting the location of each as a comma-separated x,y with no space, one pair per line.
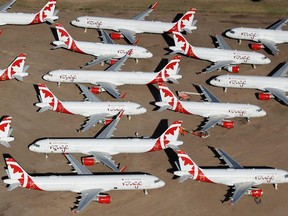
71,78
267,178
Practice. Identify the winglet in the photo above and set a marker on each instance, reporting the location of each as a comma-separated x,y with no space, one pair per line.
123,95
136,41
129,52
154,5
123,169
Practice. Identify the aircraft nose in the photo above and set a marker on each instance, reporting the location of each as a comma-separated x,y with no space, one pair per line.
161,184
45,77
263,113
212,82
143,110
32,147
73,22
268,61
149,54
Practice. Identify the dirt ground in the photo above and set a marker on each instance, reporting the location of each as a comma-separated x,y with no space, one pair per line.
263,142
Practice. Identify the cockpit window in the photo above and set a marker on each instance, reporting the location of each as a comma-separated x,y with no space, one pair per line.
259,110
232,32
264,57
216,79
139,107
36,145
286,176
156,181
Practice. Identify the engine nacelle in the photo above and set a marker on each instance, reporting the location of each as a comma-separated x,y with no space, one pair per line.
256,193
256,46
89,161
103,199
233,69
227,124
116,36
96,90
111,61
105,121
265,96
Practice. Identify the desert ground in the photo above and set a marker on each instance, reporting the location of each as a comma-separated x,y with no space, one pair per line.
262,142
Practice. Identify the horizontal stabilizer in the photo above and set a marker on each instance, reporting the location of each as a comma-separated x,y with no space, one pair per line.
18,77
49,20
43,109
59,46
13,186
25,68
163,106
5,143
173,80
184,178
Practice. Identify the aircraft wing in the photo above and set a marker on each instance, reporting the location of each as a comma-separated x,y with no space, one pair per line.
217,65
105,37
117,66
88,94
212,121
108,131
271,45
229,160
110,88
145,13
79,168
106,159
282,71
240,190
279,25
87,197
281,95
99,59
129,35
6,6
93,119
222,43
208,95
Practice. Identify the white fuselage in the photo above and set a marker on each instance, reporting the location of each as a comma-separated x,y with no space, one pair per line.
251,82
232,110
237,57
113,50
88,108
16,18
256,34
86,146
93,77
137,26
232,176
78,183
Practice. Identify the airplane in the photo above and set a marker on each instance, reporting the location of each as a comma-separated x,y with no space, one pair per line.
222,57
214,112
129,27
46,14
109,79
16,70
264,38
93,108
243,180
274,86
5,131
90,186
101,148
105,52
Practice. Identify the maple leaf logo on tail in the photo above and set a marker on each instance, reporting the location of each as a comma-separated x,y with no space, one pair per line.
185,22
46,12
17,66
5,126
170,136
17,173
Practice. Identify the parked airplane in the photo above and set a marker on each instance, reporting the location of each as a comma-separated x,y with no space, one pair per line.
5,131
46,14
222,57
111,78
129,27
105,52
94,109
264,38
213,111
101,148
90,186
243,180
16,70
274,86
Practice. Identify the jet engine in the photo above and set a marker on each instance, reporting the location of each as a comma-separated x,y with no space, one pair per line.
265,96
116,36
227,124
106,121
111,61
96,90
103,199
233,69
256,193
89,161
256,46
